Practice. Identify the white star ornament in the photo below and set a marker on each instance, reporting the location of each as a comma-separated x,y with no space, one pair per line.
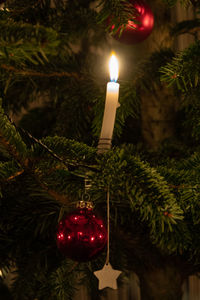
107,277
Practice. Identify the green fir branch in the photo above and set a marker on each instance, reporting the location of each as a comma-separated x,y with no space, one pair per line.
73,153
184,69
189,26
17,47
9,171
122,12
11,139
135,184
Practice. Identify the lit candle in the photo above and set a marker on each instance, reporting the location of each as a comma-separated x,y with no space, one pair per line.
111,104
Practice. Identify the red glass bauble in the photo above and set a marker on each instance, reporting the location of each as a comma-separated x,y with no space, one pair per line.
136,33
81,235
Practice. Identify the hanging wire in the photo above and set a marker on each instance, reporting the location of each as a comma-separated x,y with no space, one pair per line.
108,227
86,198
50,151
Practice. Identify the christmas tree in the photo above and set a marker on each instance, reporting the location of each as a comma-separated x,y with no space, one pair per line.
53,74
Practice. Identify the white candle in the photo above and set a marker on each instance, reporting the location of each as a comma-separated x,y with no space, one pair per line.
111,104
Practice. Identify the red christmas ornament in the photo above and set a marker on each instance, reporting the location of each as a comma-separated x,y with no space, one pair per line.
81,235
136,33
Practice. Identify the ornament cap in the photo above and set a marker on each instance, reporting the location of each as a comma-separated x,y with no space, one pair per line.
85,204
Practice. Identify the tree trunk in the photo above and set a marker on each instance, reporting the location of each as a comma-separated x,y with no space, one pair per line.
161,284
158,112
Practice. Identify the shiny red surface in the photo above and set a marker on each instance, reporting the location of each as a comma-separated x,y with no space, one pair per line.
81,235
136,33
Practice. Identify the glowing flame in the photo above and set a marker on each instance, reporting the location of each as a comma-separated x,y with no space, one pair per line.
114,68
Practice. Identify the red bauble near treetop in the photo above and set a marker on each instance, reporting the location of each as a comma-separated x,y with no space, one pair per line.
81,235
136,33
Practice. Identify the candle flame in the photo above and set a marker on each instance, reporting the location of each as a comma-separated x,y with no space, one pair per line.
114,68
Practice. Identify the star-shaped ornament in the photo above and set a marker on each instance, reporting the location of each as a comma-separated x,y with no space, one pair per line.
107,277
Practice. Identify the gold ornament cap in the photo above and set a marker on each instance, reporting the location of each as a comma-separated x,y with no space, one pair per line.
85,204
